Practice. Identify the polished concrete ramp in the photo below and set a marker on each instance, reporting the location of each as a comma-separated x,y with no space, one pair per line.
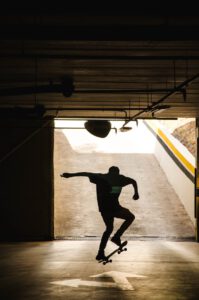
151,270
158,212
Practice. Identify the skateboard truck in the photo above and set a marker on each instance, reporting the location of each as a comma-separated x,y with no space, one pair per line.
119,250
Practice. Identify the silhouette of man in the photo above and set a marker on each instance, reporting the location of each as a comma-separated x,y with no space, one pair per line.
108,187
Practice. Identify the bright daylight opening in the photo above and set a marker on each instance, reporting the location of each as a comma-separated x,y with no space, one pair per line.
76,212
132,141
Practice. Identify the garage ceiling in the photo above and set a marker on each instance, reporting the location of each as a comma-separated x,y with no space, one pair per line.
100,66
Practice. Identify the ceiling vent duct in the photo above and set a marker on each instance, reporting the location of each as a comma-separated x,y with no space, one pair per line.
98,128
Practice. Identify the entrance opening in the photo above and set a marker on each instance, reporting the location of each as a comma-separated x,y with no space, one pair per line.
159,213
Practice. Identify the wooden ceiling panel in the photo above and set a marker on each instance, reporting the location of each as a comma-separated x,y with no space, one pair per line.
112,77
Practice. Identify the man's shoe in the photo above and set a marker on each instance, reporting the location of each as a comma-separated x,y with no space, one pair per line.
116,240
100,255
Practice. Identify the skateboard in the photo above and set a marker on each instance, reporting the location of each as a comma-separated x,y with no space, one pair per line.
119,250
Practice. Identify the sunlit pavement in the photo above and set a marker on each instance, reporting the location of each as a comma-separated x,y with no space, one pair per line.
156,269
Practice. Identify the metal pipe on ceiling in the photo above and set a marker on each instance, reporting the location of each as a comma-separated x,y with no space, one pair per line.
91,57
155,104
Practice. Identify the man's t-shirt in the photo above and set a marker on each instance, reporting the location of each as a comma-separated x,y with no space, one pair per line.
108,189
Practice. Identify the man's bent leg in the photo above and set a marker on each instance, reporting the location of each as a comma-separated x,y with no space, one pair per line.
125,214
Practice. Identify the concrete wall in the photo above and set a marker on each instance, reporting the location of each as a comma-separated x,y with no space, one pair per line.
177,163
26,179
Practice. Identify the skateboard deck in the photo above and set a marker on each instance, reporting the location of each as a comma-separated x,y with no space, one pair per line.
119,250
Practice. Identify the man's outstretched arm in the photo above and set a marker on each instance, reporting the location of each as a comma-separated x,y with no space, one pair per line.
68,175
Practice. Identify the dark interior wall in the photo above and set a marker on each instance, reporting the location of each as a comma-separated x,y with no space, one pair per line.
26,179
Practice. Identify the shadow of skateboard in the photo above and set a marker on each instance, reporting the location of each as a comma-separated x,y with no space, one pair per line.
118,250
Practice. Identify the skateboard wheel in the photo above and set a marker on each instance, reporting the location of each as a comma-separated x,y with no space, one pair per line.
125,249
104,263
119,252
110,260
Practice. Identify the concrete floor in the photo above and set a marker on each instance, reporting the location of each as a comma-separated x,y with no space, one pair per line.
157,269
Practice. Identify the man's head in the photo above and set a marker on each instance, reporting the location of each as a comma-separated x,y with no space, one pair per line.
114,170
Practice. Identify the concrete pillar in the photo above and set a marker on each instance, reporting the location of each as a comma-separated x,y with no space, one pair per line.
26,179
197,183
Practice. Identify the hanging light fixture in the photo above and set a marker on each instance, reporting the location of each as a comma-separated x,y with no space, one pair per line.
125,128
99,128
